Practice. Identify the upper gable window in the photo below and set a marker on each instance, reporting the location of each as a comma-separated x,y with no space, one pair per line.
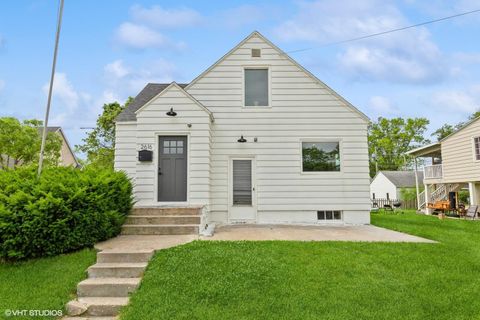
256,87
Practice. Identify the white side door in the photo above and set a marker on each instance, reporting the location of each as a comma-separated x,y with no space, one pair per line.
242,195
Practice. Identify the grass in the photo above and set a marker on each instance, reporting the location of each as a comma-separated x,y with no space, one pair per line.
319,280
42,284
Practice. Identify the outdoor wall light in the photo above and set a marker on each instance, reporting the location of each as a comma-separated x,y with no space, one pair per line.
171,113
242,139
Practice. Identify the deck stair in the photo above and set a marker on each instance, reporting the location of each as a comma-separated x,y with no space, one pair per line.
439,194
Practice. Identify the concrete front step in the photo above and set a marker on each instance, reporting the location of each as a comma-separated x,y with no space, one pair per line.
117,270
159,219
159,211
152,229
107,287
103,306
124,257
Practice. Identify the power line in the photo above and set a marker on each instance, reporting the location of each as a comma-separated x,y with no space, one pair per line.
387,31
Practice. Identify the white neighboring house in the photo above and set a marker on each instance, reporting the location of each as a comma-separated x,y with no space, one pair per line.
255,138
388,184
455,166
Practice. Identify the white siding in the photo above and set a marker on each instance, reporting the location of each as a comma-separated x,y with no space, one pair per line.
459,164
301,108
152,122
125,148
381,186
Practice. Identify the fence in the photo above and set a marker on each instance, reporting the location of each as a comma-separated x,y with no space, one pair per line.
405,204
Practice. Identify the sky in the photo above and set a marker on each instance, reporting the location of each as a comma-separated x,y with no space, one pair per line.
110,50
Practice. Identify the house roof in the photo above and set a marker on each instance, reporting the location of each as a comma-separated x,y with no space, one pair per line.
153,89
429,150
403,179
148,93
59,129
463,127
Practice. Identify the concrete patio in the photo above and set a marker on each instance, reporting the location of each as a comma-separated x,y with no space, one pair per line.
367,233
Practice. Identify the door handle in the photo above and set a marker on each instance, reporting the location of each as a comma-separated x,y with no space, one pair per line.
159,171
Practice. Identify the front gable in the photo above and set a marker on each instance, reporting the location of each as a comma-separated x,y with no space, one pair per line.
174,95
288,79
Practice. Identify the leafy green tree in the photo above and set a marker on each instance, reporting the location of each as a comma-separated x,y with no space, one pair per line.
20,143
99,145
390,139
448,129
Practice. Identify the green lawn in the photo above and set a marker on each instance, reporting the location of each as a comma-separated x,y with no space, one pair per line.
42,284
322,280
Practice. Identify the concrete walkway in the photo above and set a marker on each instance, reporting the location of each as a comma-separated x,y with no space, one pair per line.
133,243
312,233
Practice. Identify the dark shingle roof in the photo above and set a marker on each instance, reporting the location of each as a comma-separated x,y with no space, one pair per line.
403,179
147,93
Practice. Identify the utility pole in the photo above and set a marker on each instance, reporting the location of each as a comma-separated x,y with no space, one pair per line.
50,90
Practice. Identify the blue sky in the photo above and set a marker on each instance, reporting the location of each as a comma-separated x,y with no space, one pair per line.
110,49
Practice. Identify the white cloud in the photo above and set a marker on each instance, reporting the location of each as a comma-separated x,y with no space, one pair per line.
64,91
382,106
139,37
116,69
159,17
125,80
466,101
404,56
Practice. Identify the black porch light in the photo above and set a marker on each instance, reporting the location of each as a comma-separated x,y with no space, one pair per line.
171,113
242,139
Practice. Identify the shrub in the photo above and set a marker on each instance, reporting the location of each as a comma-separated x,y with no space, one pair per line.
64,210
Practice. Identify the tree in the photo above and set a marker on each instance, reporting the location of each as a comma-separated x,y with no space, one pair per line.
20,143
99,145
390,139
447,129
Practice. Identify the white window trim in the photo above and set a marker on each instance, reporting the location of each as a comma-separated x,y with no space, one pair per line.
326,221
269,93
474,150
323,139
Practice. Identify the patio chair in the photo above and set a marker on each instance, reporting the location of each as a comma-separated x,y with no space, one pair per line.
472,212
374,207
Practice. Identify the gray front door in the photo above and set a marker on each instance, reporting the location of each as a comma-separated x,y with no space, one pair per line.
172,168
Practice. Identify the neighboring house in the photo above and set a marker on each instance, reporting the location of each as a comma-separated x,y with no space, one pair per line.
388,184
255,138
67,157
455,165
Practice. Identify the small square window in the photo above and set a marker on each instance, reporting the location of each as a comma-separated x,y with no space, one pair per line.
321,215
179,143
337,215
179,150
173,143
166,150
166,143
329,215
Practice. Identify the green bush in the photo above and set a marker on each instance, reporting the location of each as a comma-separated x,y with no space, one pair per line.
65,210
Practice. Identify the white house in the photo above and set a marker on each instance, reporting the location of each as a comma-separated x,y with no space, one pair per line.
255,138
388,184
455,165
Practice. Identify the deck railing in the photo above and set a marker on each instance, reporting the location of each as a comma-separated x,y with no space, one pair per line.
433,172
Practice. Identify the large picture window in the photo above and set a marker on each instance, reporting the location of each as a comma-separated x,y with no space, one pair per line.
256,87
321,156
